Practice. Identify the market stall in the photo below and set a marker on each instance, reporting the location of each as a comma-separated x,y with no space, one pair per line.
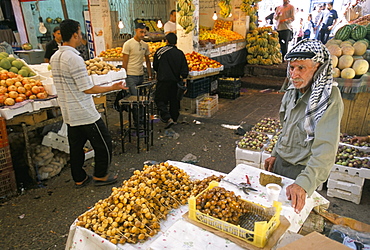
178,232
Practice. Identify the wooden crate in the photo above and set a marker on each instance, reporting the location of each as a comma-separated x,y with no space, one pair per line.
356,115
28,118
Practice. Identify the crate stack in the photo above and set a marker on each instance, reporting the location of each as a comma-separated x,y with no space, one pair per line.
197,88
207,106
8,184
348,175
229,88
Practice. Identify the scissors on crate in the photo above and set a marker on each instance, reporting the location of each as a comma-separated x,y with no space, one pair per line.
244,186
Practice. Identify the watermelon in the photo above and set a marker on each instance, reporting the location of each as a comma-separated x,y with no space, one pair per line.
368,29
358,32
343,33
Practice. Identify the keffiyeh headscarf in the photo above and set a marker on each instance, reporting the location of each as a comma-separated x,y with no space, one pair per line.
322,81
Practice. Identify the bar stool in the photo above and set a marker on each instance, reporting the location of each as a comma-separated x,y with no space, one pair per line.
144,105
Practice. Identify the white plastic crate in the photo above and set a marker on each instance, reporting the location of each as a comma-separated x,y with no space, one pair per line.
346,186
101,79
9,112
345,195
365,173
117,75
340,176
264,156
37,105
56,141
346,170
248,155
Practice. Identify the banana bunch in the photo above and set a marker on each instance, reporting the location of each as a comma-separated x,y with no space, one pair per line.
225,8
186,9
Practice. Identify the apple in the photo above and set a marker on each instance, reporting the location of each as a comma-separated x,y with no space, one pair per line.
28,93
13,94
2,99
41,95
18,84
12,88
19,99
27,86
9,81
32,97
21,90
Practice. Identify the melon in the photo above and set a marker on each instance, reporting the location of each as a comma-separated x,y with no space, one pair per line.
336,72
348,50
360,67
345,43
343,33
347,73
358,32
345,61
333,41
335,50
334,61
360,48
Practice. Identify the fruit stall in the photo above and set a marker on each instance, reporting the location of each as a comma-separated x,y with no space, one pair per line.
350,51
150,210
29,102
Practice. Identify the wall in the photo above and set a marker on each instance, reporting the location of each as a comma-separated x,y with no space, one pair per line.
75,10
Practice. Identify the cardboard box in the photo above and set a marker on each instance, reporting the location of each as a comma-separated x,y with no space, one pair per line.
28,119
315,241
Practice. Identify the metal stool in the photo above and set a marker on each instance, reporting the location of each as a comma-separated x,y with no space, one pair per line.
143,103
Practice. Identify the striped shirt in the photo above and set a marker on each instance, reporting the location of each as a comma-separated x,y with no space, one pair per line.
71,79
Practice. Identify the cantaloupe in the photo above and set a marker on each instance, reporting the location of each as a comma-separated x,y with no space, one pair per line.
347,73
360,48
348,50
334,61
345,43
333,41
345,61
360,67
335,50
336,72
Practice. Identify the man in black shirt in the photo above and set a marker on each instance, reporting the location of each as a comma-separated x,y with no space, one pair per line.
170,64
52,46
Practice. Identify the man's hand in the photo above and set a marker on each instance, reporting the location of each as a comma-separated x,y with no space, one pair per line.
118,86
269,163
297,195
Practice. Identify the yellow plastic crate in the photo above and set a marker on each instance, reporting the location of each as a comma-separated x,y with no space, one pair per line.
262,229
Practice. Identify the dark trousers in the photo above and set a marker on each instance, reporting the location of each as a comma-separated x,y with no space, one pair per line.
324,35
287,169
101,141
284,37
131,83
166,100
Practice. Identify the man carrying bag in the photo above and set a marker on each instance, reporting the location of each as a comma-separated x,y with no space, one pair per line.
172,70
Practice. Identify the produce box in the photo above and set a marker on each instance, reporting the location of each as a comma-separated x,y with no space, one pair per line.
46,103
248,157
346,186
339,176
117,75
229,88
197,87
8,184
8,112
56,141
28,119
257,233
101,79
207,105
345,195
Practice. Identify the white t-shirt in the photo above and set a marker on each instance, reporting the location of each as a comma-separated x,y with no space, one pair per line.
71,80
169,27
136,52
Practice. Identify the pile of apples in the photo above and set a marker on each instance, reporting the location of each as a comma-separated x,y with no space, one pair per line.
253,140
267,125
15,88
198,62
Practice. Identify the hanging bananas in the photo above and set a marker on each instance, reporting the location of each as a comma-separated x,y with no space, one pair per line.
225,8
250,8
186,8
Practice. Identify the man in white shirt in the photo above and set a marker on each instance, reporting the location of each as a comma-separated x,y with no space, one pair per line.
170,26
74,89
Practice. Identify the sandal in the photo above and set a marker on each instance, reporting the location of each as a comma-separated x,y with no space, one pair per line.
110,180
84,182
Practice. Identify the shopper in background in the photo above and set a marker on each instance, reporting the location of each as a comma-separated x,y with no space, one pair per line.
74,89
53,45
284,16
170,26
135,51
329,20
308,26
311,111
171,66
317,19
83,48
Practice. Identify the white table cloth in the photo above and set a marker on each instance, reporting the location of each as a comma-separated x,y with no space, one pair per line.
176,233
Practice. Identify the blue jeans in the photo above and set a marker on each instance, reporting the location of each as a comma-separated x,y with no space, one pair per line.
131,83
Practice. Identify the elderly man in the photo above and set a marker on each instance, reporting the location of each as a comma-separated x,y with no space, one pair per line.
310,112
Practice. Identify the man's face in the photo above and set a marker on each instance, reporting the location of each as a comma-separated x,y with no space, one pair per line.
301,73
79,37
329,7
173,17
140,33
285,2
57,36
